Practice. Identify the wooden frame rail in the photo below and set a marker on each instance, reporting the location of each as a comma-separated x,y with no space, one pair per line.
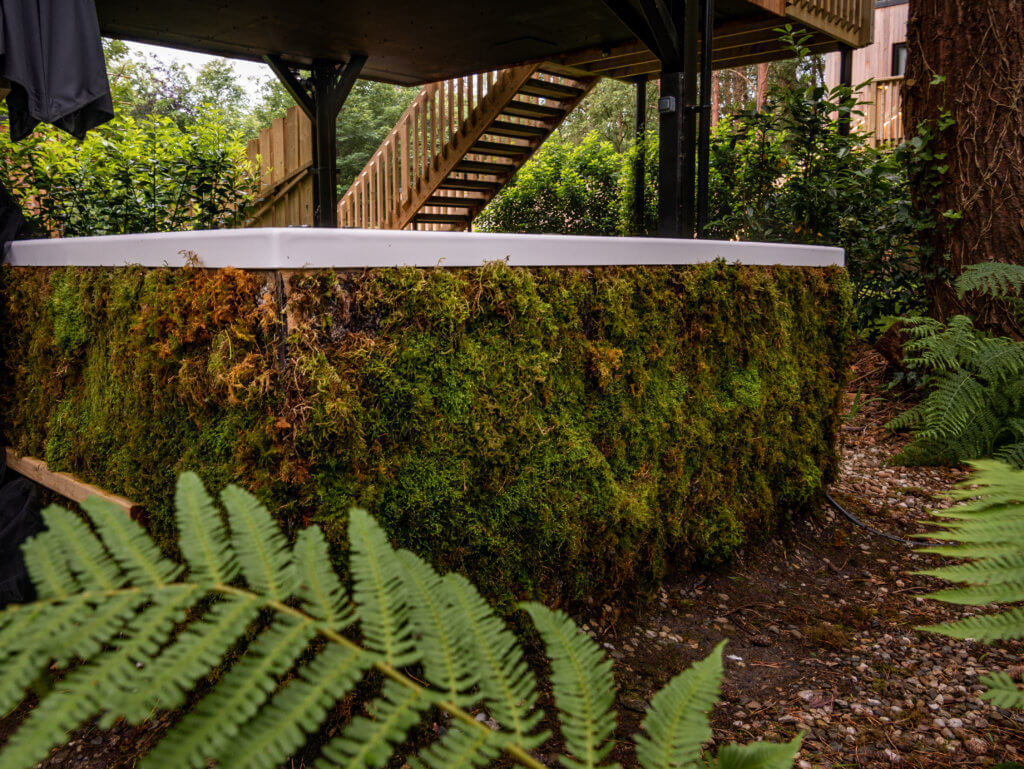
65,484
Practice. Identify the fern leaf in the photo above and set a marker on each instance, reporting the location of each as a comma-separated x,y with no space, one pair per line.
996,568
440,627
167,678
507,686
377,586
990,486
759,755
129,544
677,720
981,595
1002,691
88,561
369,742
216,720
461,747
259,545
296,710
203,538
319,587
583,686
48,569
1007,626
91,688
1012,454
997,279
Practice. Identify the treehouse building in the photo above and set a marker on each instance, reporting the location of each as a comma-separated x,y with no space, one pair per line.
553,415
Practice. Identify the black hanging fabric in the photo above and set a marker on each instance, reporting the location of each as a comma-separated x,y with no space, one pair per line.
12,223
20,519
52,53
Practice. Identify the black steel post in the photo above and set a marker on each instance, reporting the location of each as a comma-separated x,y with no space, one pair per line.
678,130
325,146
704,136
845,79
640,161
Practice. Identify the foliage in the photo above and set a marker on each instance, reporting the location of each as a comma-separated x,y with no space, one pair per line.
145,635
131,175
973,381
609,113
370,112
551,432
565,188
787,174
988,532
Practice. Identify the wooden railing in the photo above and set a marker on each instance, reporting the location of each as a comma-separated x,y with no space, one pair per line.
285,156
431,136
410,152
885,112
849,21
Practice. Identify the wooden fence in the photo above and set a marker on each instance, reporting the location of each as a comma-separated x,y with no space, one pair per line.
885,113
284,153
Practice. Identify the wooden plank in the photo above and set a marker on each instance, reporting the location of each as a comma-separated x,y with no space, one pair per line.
66,484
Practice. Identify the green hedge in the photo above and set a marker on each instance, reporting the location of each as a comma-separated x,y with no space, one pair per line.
552,432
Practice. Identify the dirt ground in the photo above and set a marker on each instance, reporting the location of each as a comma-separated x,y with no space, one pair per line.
822,625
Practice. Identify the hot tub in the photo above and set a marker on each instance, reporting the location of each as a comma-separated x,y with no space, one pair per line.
556,416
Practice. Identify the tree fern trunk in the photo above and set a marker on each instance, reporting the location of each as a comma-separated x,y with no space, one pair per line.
978,47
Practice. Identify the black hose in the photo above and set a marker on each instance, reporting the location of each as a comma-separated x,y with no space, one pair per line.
863,525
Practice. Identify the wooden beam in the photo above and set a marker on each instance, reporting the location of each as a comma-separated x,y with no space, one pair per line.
65,484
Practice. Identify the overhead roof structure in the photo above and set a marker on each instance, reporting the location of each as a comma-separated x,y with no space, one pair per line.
412,42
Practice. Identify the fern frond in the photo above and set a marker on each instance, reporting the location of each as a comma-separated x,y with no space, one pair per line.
129,545
319,587
677,721
91,565
507,685
440,627
168,677
990,486
1013,454
759,755
297,710
377,587
48,570
583,687
460,748
368,742
216,720
203,538
1002,691
260,547
86,690
981,595
1005,626
997,279
997,567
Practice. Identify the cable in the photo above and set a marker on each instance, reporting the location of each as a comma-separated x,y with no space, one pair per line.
863,525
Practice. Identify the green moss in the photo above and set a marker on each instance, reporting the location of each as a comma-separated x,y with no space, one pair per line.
553,432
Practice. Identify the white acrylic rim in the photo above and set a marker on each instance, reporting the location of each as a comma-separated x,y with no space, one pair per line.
295,248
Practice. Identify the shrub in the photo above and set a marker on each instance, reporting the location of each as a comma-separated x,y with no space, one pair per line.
973,381
147,634
552,432
565,188
130,175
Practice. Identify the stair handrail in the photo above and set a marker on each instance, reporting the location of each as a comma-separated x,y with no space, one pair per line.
405,160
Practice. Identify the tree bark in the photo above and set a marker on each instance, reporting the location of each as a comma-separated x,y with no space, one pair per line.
978,47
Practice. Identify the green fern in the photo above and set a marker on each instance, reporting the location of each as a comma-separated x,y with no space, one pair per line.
988,530
998,279
137,633
974,393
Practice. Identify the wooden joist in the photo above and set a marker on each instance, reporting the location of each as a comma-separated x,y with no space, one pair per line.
65,484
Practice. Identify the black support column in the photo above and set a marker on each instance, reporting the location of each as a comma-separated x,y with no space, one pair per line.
704,136
321,96
671,29
640,161
845,79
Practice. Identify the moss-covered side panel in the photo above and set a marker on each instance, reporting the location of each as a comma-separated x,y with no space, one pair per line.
550,432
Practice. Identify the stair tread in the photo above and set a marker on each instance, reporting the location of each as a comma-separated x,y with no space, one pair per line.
499,148
538,87
505,128
453,202
536,111
484,167
441,218
481,185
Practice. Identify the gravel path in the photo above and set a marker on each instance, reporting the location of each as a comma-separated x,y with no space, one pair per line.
822,621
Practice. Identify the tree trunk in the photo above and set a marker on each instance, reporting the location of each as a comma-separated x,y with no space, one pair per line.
762,85
978,47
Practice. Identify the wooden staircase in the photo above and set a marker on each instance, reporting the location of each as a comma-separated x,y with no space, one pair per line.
458,144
